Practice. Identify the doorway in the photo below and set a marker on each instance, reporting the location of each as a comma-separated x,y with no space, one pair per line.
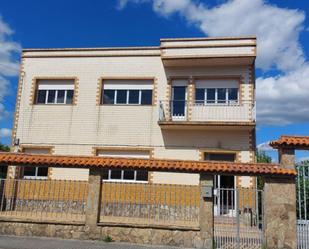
224,185
179,95
225,195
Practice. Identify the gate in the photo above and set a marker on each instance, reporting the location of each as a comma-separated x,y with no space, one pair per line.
302,197
238,218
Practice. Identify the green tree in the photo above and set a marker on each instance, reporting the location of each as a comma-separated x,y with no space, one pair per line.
3,169
261,157
302,189
4,148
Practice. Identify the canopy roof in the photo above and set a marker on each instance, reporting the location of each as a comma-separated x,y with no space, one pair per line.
211,167
293,142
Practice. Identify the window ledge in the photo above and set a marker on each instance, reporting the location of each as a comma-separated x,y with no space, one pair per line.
125,181
53,104
35,177
150,105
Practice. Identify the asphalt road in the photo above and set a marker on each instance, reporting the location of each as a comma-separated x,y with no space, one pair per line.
12,242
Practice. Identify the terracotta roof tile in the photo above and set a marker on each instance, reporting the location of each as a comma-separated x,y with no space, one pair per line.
297,142
20,159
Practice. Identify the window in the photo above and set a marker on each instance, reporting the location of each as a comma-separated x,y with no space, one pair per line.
55,92
3,171
134,96
127,97
127,92
121,97
211,95
211,156
200,96
108,96
216,95
35,172
125,175
146,97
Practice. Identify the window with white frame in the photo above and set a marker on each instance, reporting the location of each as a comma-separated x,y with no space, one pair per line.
55,91
35,172
216,92
127,92
124,175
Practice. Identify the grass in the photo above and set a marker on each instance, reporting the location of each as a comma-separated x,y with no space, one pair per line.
108,238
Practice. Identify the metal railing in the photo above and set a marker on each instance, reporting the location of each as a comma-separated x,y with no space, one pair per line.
43,200
156,204
238,221
181,110
302,205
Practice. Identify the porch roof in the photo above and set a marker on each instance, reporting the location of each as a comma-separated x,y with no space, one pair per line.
211,167
292,142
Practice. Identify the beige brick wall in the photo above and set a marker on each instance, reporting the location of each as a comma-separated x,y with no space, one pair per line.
76,129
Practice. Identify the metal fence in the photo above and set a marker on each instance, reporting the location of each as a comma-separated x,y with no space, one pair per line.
43,200
177,110
140,203
302,195
238,221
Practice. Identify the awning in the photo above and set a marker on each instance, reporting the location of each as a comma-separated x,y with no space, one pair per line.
211,167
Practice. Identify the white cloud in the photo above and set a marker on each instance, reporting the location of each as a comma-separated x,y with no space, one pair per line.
4,132
8,65
281,99
3,113
265,147
277,28
284,99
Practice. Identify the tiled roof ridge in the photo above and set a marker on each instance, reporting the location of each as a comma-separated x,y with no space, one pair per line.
296,136
213,167
296,141
133,159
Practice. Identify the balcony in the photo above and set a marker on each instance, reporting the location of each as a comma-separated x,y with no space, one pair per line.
180,112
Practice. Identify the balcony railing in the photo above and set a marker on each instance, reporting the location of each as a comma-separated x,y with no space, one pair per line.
181,110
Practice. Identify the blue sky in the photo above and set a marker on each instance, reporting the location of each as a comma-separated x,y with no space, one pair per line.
281,28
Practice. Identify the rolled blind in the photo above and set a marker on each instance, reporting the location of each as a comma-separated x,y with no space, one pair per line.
128,84
55,84
228,83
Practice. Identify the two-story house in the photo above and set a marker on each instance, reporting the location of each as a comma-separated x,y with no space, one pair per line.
187,99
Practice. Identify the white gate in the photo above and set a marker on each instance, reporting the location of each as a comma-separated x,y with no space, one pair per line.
302,190
238,218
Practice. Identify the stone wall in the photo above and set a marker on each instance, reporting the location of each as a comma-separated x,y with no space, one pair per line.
150,211
140,235
280,213
45,206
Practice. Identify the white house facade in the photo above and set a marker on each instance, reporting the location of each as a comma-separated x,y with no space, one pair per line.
187,99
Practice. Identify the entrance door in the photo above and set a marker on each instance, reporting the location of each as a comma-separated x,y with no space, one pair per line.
225,195
224,190
179,102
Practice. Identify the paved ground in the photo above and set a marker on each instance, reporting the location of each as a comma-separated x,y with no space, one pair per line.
12,242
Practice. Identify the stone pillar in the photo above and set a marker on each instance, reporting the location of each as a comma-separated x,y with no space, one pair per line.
280,213
206,214
93,201
287,158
